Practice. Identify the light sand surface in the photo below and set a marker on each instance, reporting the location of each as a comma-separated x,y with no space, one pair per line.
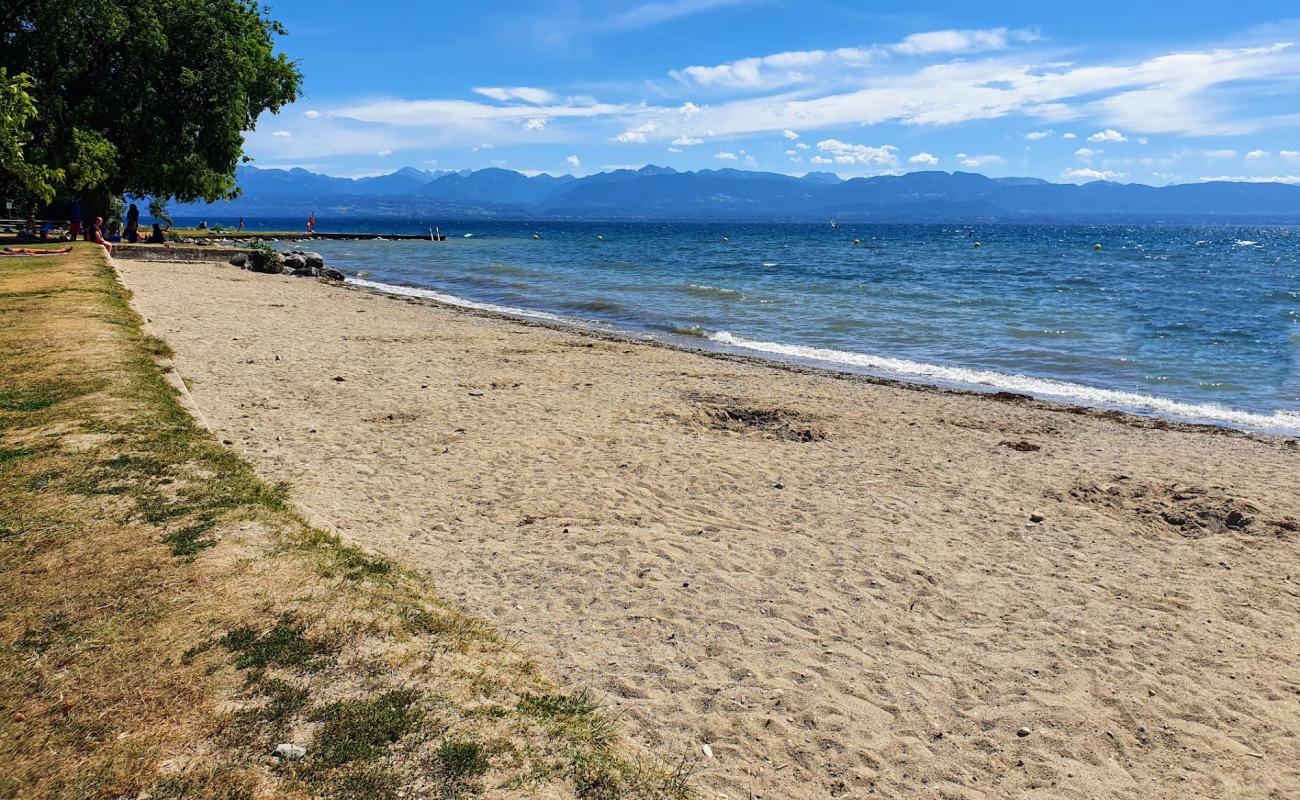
868,613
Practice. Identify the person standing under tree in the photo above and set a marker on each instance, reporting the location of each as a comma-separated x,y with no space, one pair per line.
132,233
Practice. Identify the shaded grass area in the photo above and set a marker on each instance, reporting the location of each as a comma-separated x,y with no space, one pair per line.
167,619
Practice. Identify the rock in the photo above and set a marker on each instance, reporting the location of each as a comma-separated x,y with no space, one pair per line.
708,751
290,751
1022,446
315,260
266,262
1036,518
1023,732
1237,520
331,274
294,261
239,260
306,272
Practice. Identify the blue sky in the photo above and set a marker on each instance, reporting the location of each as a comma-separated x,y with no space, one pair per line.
1137,92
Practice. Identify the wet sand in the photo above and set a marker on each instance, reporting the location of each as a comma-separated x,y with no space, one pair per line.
841,588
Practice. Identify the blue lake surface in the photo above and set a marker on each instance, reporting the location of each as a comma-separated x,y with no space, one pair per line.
1188,322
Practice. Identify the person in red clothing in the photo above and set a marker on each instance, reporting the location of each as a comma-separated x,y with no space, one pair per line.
96,235
311,224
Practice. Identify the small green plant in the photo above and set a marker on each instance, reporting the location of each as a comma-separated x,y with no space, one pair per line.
284,645
360,730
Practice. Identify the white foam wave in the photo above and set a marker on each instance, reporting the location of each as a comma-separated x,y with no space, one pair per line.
1278,421
453,300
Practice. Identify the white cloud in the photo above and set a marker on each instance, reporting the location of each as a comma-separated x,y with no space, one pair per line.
527,94
1034,136
283,134
1108,135
674,150
805,66
975,162
821,160
789,134
1256,154
384,153
1219,154
484,146
1086,153
725,156
960,41
1142,140
637,135
573,161
924,158
535,124
1069,136
1090,174
1183,93
801,146
649,14
1294,179
1290,154
312,114
845,153
687,141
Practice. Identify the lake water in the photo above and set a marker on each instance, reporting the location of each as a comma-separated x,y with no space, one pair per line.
1187,322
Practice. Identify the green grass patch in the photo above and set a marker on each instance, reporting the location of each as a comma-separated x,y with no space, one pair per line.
38,397
284,645
360,730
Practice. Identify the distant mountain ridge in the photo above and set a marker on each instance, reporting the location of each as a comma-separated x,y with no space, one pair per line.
656,193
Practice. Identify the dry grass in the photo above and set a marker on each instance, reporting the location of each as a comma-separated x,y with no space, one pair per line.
167,618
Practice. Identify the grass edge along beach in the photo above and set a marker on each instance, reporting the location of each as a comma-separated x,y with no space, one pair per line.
169,619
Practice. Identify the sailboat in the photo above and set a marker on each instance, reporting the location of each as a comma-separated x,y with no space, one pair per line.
834,225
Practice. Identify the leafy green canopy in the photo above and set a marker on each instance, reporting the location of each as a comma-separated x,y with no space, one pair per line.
142,97
17,110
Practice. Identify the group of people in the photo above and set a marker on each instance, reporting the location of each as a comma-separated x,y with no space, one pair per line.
96,231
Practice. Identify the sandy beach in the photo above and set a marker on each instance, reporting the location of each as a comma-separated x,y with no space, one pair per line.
812,586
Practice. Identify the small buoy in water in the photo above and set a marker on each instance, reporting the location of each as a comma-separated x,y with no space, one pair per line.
537,236
726,238
1096,246
978,245
600,238
857,241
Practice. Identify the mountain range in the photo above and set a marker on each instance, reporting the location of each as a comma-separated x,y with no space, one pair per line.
664,194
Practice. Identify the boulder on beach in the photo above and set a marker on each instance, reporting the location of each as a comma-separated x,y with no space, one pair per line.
331,274
314,260
239,260
294,261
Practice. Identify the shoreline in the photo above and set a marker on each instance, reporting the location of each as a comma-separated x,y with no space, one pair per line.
838,584
545,319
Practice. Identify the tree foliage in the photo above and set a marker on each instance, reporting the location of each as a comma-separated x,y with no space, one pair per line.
145,97
17,111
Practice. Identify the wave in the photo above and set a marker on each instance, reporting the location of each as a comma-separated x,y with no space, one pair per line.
696,288
690,330
1280,420
453,300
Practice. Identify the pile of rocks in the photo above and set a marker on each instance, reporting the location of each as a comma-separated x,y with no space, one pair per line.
299,263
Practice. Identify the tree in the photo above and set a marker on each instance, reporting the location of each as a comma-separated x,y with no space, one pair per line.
17,110
145,97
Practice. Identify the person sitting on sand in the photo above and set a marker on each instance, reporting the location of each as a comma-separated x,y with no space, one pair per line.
156,236
114,231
